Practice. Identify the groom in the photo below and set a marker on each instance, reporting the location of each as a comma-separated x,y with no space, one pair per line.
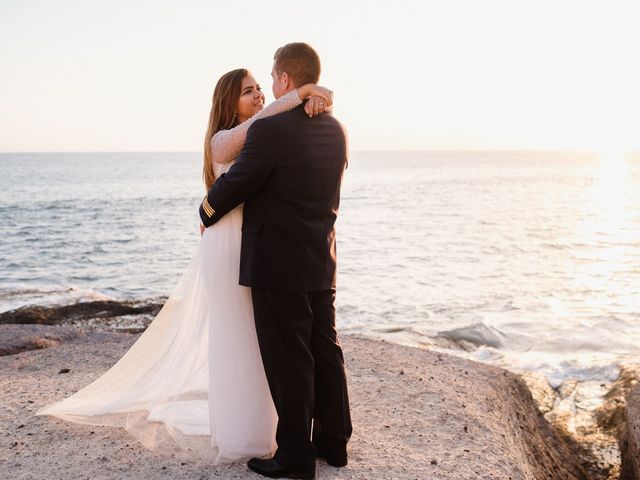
288,175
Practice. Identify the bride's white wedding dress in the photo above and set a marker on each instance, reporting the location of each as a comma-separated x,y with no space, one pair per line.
193,384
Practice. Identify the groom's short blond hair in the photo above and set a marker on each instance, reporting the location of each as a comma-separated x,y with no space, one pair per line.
300,61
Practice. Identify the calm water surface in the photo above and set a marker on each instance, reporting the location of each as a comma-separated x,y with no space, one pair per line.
532,258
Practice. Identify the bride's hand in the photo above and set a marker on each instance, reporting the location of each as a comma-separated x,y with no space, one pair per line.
312,90
320,98
315,105
324,93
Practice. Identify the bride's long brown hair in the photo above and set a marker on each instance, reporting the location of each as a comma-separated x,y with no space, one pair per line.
223,115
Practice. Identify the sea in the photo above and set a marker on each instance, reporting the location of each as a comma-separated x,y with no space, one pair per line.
526,260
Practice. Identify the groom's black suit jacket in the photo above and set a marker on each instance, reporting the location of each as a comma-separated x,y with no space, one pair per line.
288,175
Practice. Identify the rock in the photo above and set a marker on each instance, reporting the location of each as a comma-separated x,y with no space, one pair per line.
403,428
610,416
59,314
20,338
629,437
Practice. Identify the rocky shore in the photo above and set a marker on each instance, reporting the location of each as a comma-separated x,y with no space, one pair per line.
417,414
104,315
620,415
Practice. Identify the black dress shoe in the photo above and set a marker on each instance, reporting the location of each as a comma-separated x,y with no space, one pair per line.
270,468
333,460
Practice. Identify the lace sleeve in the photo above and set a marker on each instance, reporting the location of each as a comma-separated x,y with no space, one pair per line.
226,144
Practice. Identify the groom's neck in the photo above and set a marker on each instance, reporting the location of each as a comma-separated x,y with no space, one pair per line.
284,92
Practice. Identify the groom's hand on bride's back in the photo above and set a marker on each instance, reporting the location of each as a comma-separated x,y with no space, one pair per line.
202,229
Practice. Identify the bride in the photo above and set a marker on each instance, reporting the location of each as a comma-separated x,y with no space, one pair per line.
193,384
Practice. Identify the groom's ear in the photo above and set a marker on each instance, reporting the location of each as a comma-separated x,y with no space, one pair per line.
286,79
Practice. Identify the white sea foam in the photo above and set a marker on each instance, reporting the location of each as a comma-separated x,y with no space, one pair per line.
22,296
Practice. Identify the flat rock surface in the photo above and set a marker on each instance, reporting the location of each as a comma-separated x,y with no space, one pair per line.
417,414
19,338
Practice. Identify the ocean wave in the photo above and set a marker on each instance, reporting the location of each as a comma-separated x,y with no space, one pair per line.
571,371
478,334
12,297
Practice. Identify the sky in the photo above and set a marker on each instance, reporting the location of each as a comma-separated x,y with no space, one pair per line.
135,75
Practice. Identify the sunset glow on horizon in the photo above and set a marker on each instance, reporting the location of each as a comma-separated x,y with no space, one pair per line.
456,75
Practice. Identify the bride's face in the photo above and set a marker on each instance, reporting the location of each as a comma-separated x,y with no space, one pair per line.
251,99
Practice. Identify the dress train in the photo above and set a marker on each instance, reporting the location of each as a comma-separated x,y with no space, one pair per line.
193,384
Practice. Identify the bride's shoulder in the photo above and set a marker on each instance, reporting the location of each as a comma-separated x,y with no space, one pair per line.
224,146
219,135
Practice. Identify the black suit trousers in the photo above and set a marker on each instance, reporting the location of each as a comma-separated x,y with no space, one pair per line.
305,370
